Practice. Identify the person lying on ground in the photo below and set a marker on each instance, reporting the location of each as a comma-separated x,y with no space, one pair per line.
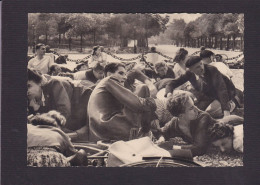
48,145
41,62
191,124
63,96
227,137
114,111
161,71
55,70
93,75
219,92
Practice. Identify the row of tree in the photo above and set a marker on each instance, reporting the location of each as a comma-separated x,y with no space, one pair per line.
209,30
108,29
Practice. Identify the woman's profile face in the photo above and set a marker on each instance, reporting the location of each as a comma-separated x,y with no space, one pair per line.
224,144
191,111
98,51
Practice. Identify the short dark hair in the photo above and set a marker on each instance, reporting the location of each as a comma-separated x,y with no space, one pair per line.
113,67
180,55
176,104
38,46
192,60
206,54
53,68
34,76
77,68
153,49
98,67
158,65
95,48
220,130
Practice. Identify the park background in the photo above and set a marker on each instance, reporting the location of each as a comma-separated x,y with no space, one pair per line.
128,35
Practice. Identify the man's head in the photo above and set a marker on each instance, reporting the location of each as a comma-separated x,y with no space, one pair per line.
55,70
181,105
96,50
117,70
82,66
161,68
221,136
98,71
34,89
40,49
207,56
195,65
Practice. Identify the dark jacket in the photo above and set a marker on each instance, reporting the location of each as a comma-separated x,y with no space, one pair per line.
71,101
199,141
215,85
90,76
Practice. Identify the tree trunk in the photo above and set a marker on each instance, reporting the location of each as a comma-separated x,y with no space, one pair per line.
221,43
206,43
81,40
141,42
59,38
46,38
227,48
216,42
69,43
234,42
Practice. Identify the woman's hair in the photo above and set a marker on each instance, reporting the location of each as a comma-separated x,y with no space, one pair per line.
34,76
77,68
38,46
112,67
160,64
176,104
206,53
53,68
52,118
95,48
220,130
180,55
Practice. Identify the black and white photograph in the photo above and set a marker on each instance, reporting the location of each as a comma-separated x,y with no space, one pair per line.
135,90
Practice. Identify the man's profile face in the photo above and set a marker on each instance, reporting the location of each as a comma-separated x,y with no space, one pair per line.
41,50
120,74
99,74
197,68
34,90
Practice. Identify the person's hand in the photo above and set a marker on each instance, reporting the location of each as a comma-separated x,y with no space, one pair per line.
160,140
153,90
169,95
226,113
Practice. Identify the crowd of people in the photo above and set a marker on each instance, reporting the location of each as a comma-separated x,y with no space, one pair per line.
193,98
